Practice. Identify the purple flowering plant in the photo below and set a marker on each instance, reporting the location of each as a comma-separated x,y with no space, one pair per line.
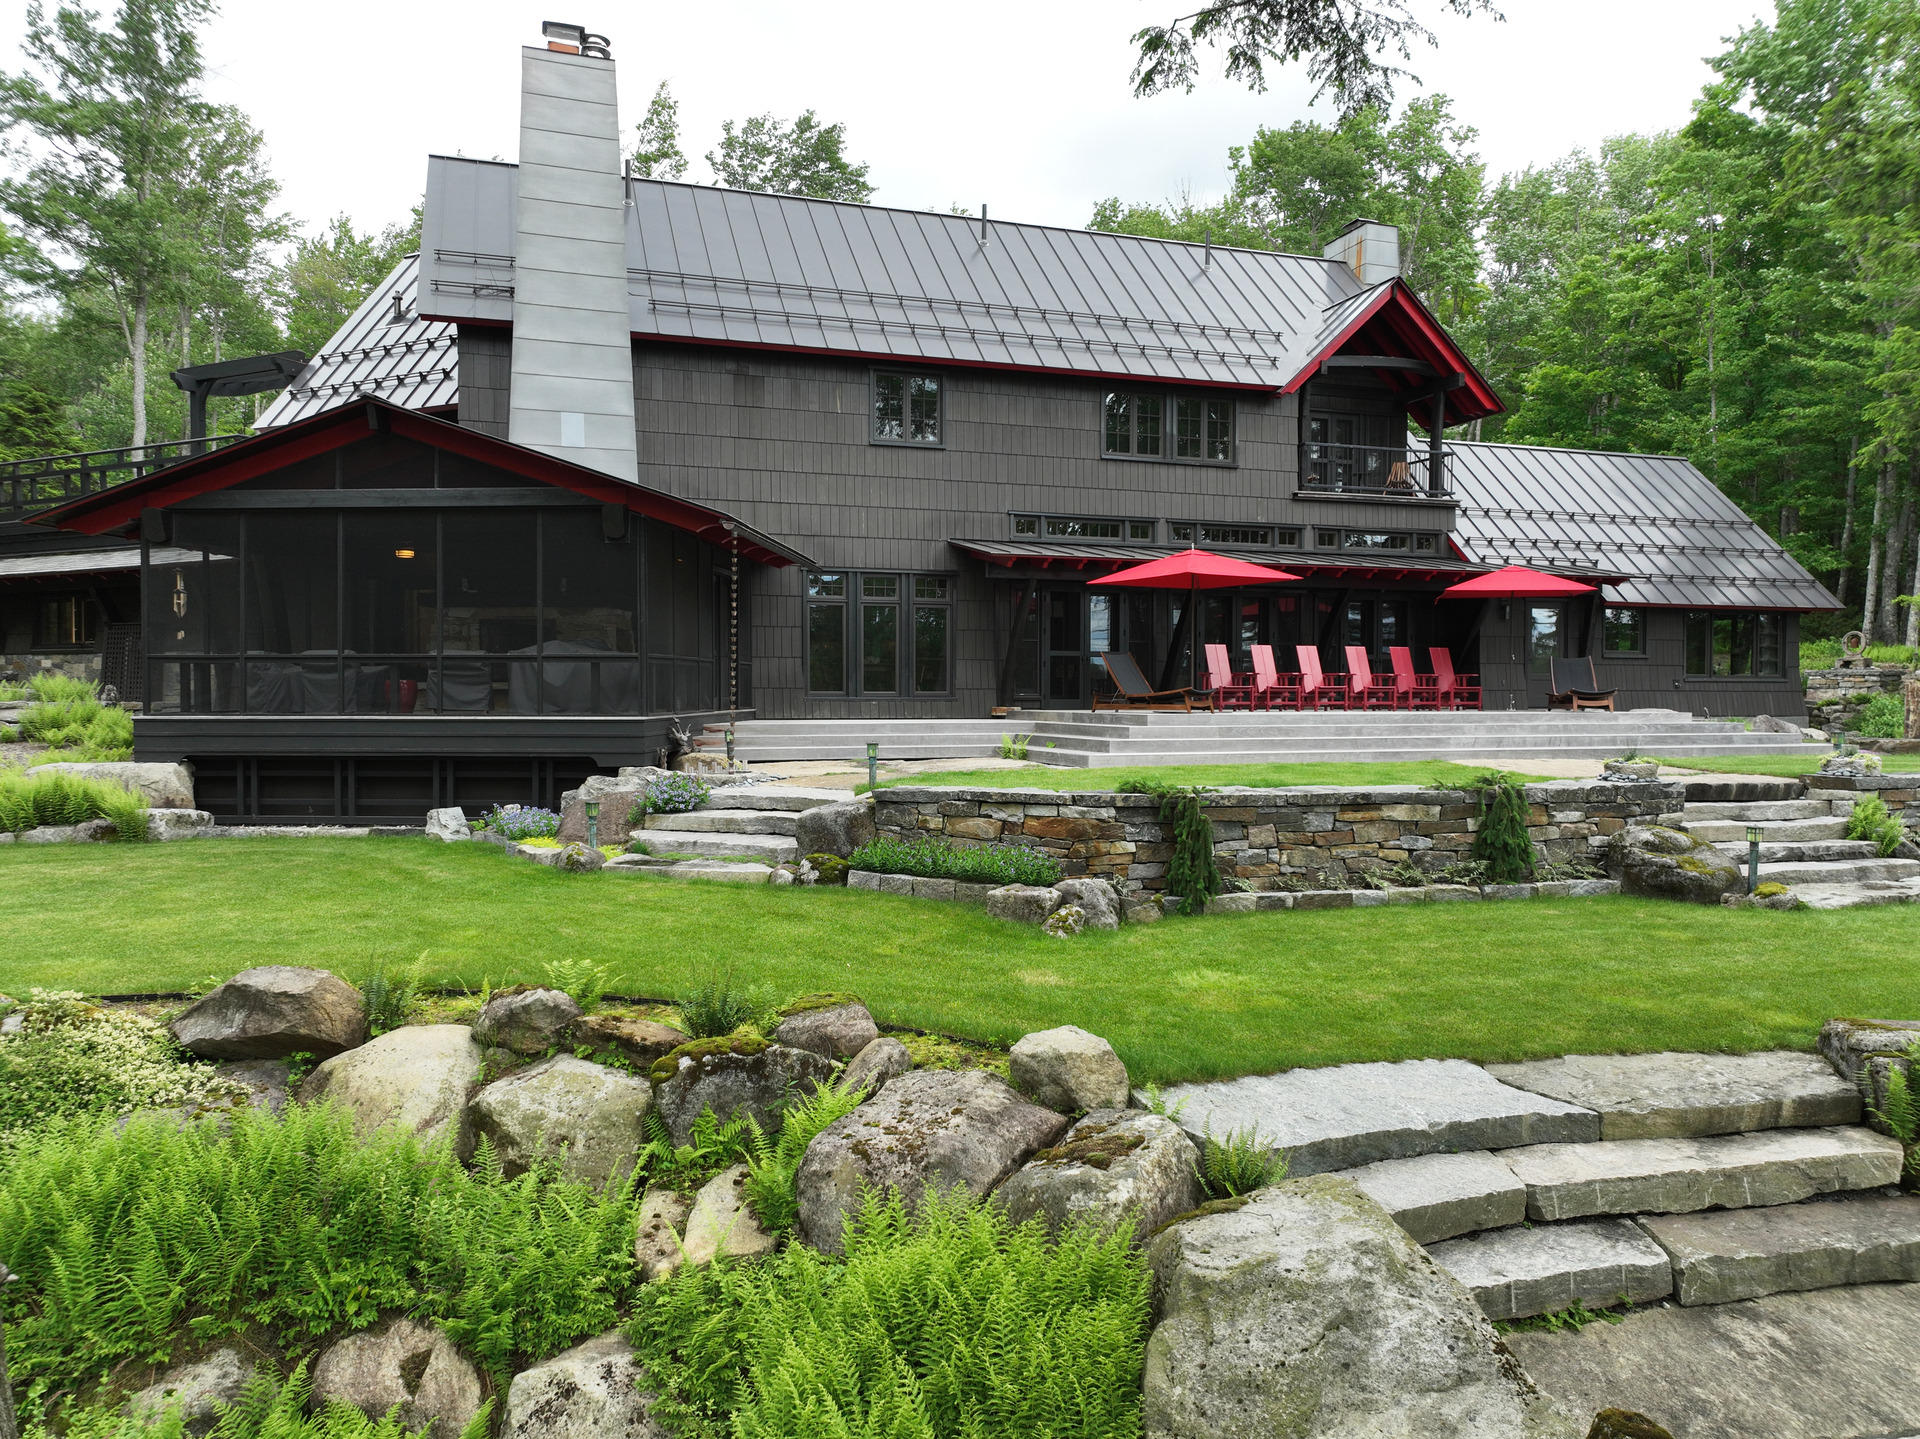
519,822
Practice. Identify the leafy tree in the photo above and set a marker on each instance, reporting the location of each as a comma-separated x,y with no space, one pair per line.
1344,43
332,273
801,158
659,156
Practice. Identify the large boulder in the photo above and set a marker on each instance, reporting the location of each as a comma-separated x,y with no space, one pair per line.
406,1364
836,1025
732,1075
1114,1165
935,1129
638,1042
1099,901
1663,863
722,1224
449,825
414,1079
272,1012
1024,903
835,829
886,1058
163,786
195,1389
1069,1070
657,1250
527,1021
616,799
591,1116
1303,1312
590,1392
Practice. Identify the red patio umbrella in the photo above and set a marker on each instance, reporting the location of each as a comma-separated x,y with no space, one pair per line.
1195,570
1515,582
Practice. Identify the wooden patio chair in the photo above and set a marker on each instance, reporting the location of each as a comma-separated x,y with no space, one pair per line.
1364,690
1576,687
1230,691
1132,692
1278,691
1319,691
1416,691
1457,691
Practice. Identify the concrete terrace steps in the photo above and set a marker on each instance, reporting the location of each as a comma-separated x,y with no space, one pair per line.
1779,830
729,821
1812,851
792,797
1754,811
1840,871
768,848
1803,845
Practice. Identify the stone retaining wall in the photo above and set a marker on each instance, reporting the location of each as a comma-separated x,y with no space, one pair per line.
1836,697
1274,839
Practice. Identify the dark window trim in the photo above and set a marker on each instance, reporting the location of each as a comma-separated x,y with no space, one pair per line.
1751,677
1041,520
1200,526
938,377
91,619
1638,654
1171,396
906,601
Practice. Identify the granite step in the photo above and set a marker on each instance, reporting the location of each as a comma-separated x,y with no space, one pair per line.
1516,1273
1679,1176
1672,1095
1348,1115
1775,830
770,848
1745,1253
1839,871
1812,851
774,796
1756,811
728,821
1854,896
695,869
1441,1196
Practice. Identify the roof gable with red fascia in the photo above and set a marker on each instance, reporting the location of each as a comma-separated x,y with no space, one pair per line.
276,449
1393,321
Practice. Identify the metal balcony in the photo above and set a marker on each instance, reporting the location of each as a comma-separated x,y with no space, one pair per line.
1394,472
29,487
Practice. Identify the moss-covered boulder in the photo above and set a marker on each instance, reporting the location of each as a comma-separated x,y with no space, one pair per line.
739,1074
836,1025
1662,863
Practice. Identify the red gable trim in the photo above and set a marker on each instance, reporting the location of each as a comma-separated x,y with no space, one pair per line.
334,429
1401,311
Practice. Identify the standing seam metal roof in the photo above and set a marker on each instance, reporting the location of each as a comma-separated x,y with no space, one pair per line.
1653,517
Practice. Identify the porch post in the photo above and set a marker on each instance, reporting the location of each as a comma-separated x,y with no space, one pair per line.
1435,483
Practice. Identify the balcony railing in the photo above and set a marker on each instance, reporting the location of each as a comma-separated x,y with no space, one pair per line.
1386,471
28,487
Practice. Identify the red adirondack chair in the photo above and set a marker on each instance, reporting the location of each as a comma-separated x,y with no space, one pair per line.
1319,691
1416,691
1230,691
1365,690
1277,691
1456,692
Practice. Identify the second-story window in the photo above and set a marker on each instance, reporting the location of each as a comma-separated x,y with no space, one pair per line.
1151,425
906,408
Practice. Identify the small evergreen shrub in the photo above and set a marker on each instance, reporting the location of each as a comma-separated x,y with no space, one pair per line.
1871,820
523,822
1191,873
1501,843
669,794
1882,717
948,1322
995,864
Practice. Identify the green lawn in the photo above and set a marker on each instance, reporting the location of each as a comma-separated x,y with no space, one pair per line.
1786,765
1184,998
1433,773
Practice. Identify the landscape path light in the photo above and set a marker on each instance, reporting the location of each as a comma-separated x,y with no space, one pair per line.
873,764
1753,858
593,824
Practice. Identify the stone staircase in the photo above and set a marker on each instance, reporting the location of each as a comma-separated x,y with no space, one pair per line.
747,821
1672,1179
1078,738
1803,844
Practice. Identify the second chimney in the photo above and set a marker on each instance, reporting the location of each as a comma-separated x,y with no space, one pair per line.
1370,249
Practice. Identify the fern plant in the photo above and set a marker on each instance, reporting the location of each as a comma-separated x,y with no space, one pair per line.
580,979
774,1165
1900,1114
711,1147
1501,842
1871,820
1238,1164
720,1006
389,998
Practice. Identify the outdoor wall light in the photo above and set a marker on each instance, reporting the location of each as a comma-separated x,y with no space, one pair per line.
1753,857
403,554
593,823
873,764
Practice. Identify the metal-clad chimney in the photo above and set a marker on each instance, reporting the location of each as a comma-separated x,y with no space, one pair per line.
572,392
1368,248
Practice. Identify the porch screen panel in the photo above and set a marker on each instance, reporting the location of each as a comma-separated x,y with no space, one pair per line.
293,612
590,658
390,579
488,622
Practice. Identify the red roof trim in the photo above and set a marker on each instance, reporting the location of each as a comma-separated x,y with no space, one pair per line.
333,429
1401,308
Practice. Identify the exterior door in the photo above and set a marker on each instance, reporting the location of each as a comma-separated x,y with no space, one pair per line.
1545,640
1064,633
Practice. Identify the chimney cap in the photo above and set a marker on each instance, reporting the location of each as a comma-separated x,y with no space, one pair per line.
1353,225
583,40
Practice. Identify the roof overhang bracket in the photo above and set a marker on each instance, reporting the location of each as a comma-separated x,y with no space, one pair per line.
1376,362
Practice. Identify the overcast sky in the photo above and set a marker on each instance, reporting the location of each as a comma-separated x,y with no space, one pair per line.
1022,104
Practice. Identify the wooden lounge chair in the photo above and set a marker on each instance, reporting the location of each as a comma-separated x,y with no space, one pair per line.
1364,690
1133,693
1230,691
1416,691
1576,687
1276,690
1456,692
1319,691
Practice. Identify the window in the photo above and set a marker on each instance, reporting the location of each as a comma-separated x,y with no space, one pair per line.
1140,530
1327,539
1137,425
1236,535
1623,632
1425,544
1083,529
1543,638
1372,540
1286,538
1080,527
873,634
1026,524
65,623
1182,533
1737,644
906,409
